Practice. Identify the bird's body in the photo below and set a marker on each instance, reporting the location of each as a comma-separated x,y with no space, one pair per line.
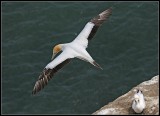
74,49
138,103
71,50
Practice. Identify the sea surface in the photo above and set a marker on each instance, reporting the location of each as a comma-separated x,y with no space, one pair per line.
126,47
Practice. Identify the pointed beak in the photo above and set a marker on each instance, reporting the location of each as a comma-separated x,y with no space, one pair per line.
53,56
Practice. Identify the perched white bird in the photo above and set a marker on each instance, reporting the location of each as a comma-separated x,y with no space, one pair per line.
138,103
74,49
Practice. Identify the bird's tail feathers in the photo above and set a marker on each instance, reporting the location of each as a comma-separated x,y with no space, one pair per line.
97,65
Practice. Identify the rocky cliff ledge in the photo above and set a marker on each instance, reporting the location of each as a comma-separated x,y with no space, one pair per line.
122,105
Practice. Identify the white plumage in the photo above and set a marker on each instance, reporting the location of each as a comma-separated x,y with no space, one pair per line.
74,49
138,104
81,39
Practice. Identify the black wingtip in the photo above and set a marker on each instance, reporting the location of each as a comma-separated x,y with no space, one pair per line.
33,93
110,8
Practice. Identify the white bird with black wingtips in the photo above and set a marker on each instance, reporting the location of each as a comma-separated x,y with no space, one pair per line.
138,104
74,49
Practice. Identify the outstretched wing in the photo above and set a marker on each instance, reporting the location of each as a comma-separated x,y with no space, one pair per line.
50,70
91,28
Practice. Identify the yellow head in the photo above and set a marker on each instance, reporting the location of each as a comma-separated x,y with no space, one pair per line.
56,49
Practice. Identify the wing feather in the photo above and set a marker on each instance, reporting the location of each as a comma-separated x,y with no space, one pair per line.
49,71
91,27
46,75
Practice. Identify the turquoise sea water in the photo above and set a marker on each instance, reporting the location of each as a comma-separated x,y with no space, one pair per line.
126,46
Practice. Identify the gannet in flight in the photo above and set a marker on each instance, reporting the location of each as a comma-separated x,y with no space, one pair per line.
138,103
74,49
